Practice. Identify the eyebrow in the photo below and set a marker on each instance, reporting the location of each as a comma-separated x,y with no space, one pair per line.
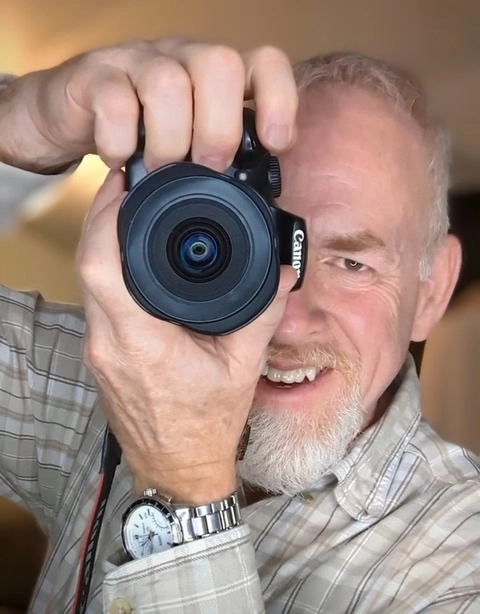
356,242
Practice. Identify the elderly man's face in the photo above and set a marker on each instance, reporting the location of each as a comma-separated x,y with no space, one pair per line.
358,175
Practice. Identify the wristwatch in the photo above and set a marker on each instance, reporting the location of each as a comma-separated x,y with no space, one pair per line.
152,524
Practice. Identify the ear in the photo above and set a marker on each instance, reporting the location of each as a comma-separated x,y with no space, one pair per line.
435,292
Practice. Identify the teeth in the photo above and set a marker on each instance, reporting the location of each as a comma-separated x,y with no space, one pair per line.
289,377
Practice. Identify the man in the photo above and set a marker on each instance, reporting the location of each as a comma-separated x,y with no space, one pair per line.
353,503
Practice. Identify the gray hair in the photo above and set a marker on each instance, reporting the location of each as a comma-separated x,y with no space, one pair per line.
395,85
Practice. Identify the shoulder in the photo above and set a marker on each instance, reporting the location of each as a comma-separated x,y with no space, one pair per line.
41,342
444,494
441,461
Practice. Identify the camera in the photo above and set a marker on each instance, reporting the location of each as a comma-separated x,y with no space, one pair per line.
203,249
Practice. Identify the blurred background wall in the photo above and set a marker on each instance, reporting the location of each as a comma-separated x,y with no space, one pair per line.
438,40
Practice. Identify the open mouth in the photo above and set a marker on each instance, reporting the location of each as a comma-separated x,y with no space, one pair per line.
287,378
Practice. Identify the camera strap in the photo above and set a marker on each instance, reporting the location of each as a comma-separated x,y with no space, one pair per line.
111,456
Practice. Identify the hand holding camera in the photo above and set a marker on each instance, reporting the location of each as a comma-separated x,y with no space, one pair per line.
203,249
177,400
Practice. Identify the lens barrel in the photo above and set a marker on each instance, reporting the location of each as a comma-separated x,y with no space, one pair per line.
198,248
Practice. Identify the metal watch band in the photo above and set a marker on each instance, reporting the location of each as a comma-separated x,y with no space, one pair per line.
197,522
208,519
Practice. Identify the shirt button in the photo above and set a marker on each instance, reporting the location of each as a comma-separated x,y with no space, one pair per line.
120,606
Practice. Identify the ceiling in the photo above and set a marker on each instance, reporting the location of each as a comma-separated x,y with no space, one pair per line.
439,40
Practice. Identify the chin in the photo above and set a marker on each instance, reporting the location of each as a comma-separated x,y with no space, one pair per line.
299,434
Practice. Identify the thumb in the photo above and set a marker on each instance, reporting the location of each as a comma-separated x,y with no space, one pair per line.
97,250
112,187
261,330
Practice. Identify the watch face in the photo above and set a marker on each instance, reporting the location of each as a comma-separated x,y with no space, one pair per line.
148,527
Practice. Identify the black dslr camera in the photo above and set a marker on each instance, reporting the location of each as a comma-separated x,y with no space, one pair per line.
203,249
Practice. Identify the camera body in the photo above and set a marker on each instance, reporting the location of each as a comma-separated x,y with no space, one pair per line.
203,249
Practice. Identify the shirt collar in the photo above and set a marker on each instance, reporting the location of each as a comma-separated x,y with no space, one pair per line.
365,475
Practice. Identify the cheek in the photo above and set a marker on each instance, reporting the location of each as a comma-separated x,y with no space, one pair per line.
374,315
374,322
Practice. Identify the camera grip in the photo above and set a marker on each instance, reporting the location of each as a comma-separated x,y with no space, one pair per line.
293,244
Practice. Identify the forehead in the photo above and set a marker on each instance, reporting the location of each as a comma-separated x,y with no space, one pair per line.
355,148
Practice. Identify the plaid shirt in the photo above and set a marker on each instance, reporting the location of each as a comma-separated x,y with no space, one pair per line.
395,528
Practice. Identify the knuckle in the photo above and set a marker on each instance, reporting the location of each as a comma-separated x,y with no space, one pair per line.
172,44
221,145
116,53
270,54
94,354
115,100
164,74
104,57
87,267
221,142
135,45
223,58
114,154
163,79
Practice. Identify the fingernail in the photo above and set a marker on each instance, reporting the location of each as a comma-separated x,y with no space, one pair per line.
278,136
217,163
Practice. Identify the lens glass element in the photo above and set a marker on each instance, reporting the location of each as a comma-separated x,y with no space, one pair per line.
198,251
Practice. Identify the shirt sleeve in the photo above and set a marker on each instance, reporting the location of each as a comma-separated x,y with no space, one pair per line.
217,574
46,401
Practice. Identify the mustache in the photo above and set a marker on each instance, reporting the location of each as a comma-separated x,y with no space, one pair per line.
318,355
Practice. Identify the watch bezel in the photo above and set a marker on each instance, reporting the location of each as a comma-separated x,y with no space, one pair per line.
165,509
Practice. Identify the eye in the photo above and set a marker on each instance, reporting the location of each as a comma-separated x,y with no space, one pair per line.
352,265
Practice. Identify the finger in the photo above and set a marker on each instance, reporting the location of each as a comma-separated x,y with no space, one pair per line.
165,92
261,330
98,331
98,258
112,99
99,264
99,268
218,77
271,84
217,74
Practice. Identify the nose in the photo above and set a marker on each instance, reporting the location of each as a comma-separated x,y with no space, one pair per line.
303,319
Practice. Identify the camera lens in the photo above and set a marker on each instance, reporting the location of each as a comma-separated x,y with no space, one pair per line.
198,249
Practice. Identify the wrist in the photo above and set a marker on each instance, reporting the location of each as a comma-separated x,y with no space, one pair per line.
153,524
191,491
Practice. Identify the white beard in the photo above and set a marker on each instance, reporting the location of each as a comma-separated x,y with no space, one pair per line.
289,451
